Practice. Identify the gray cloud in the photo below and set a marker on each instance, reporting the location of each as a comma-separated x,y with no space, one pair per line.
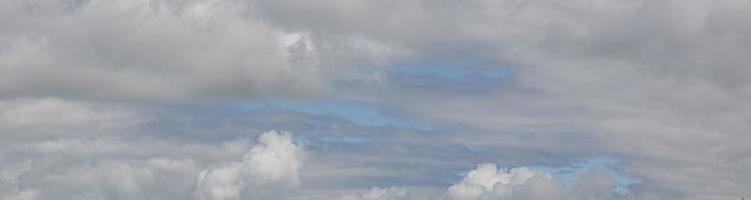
115,169
391,193
487,181
157,50
660,84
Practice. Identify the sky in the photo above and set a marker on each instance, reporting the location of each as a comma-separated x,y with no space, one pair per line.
375,100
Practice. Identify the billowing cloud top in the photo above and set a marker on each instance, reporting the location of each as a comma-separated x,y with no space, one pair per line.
274,162
395,99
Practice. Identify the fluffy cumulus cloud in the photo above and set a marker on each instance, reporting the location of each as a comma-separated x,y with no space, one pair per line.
489,182
275,162
158,99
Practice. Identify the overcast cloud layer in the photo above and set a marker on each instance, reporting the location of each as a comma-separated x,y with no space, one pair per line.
375,100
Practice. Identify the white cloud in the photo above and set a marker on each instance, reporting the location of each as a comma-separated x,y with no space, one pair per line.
488,182
276,162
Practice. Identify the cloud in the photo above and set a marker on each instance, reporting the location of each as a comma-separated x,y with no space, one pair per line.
59,113
276,161
166,50
21,195
662,85
34,119
376,193
489,182
120,169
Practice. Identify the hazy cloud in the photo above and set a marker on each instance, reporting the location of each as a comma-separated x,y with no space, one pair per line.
101,99
391,193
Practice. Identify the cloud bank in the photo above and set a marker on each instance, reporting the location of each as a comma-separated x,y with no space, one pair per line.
129,99
165,50
64,170
488,181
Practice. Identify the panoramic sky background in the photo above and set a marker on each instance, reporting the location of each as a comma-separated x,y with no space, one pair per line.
375,100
